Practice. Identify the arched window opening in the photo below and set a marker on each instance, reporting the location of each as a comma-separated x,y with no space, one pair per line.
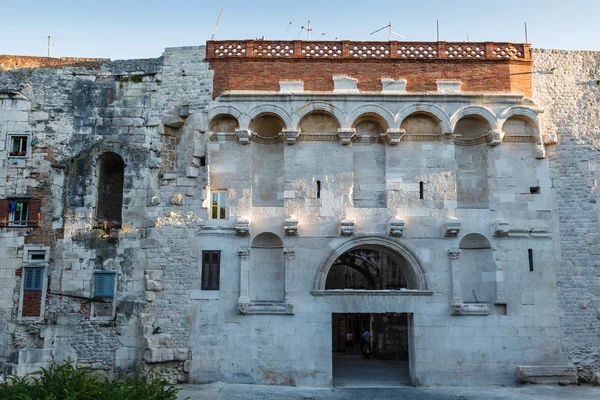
223,123
110,188
267,125
368,269
319,122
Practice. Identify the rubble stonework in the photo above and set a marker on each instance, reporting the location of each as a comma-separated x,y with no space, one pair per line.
240,190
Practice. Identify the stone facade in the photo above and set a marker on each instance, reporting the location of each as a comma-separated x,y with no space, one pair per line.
240,193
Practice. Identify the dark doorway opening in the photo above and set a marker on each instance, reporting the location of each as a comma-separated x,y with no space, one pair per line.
389,340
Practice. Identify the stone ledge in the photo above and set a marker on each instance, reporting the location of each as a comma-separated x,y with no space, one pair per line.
555,374
266,307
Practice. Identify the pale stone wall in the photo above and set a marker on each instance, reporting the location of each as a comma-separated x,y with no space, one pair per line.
158,122
566,86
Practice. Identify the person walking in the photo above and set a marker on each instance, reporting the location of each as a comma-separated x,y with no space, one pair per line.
349,342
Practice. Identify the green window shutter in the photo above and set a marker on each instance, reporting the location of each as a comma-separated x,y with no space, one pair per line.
104,284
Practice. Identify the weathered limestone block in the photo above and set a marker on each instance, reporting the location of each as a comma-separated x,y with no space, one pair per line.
346,135
153,286
290,226
346,227
470,309
556,374
158,355
183,110
451,227
345,84
242,226
448,86
173,121
501,229
393,86
393,136
291,135
291,86
244,135
396,227
181,354
192,172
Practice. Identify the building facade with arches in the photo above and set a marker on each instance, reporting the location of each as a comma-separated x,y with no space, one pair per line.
227,212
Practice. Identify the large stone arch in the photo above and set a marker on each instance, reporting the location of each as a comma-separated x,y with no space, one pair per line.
242,119
428,108
482,112
373,109
325,107
416,274
529,114
272,109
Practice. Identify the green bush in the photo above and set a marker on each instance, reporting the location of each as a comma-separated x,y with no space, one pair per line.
66,382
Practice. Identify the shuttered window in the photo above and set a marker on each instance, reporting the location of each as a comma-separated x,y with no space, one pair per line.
20,212
34,279
104,284
211,266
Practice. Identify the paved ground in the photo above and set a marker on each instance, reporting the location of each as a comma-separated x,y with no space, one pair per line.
355,371
222,391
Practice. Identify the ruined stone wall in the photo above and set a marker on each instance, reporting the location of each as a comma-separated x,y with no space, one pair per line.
565,84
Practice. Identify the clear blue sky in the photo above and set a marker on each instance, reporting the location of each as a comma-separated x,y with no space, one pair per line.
142,29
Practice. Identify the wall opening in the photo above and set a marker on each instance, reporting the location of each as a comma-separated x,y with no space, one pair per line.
110,188
267,271
421,189
421,124
530,256
318,189
267,125
389,342
223,123
477,276
370,125
318,122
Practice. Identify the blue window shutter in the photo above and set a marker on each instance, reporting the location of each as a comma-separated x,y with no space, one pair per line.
34,279
104,284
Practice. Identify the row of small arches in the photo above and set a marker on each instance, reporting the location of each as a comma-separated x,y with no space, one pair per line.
470,122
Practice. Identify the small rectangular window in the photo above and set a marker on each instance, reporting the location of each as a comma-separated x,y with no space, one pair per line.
18,146
18,212
36,256
211,269
34,279
104,284
219,204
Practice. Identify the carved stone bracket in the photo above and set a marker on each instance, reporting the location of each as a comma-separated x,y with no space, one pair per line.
497,137
291,135
451,228
396,227
393,137
244,135
501,229
290,226
540,152
347,227
242,226
346,135
470,309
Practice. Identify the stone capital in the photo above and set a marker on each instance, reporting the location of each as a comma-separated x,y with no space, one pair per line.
453,253
242,226
291,135
290,226
244,252
393,136
451,227
347,227
289,254
346,135
497,137
244,135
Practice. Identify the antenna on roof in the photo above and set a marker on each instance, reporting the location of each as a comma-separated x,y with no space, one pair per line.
217,25
526,33
308,30
391,32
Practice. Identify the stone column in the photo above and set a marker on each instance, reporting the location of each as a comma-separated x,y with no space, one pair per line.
499,278
289,257
244,254
456,303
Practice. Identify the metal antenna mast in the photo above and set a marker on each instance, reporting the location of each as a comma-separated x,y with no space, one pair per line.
217,25
308,30
391,32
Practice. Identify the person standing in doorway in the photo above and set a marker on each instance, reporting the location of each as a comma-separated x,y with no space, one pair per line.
349,342
366,337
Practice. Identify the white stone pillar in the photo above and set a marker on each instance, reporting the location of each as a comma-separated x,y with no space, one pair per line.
456,303
289,257
244,254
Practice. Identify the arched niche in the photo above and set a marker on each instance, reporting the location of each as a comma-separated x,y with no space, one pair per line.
477,274
319,122
472,127
519,125
223,123
267,125
370,124
422,123
111,176
267,271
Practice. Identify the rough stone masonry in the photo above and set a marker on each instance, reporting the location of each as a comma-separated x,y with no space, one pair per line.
191,213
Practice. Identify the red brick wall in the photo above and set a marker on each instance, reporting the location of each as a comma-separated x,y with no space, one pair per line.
32,304
17,62
421,75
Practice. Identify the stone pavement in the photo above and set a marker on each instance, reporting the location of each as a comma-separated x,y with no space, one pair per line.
224,391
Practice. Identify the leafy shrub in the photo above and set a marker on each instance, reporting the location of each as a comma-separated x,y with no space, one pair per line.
66,382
